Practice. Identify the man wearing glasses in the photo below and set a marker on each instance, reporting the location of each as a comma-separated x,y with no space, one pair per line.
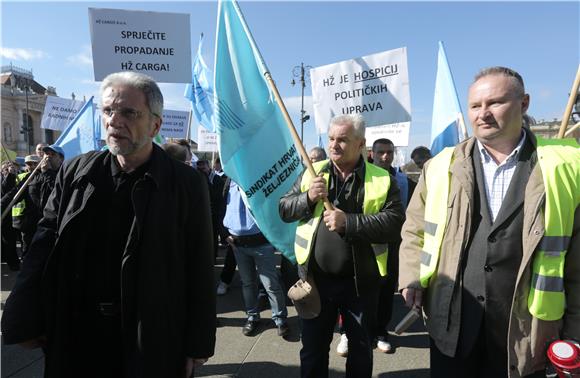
119,281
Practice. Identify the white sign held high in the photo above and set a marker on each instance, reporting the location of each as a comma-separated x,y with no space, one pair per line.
175,124
207,141
59,112
375,86
156,44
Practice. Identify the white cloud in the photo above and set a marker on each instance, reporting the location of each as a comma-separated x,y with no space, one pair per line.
22,54
83,58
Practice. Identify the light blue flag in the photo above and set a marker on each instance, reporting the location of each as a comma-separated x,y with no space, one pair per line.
80,136
200,92
256,148
446,107
320,142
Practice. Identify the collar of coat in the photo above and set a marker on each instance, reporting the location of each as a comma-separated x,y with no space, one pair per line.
464,150
89,162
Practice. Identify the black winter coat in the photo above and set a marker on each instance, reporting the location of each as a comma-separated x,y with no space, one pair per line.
167,281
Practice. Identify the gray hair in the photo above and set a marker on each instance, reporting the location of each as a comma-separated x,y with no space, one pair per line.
319,151
516,78
144,83
356,120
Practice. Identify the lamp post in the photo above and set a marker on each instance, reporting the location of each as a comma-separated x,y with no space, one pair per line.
27,124
302,72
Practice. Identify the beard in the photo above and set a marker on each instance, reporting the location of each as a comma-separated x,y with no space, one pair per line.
125,146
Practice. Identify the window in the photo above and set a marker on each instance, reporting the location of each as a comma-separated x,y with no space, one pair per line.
7,132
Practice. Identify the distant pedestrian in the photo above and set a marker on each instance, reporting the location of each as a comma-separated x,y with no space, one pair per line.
9,234
256,262
317,154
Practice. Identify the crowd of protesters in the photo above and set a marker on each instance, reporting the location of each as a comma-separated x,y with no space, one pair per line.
484,242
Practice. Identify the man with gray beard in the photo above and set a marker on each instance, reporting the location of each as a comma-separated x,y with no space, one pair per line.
119,277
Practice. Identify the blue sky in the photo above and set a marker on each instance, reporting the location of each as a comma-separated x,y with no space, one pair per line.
541,40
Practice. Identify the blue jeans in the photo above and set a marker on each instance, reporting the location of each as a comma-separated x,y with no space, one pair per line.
260,262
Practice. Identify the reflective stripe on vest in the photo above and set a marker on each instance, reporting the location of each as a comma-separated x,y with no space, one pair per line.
559,161
435,212
18,208
376,186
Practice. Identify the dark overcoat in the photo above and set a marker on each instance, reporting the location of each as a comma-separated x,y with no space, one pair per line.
167,283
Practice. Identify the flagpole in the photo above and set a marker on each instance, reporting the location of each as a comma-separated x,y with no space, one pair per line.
188,134
22,188
571,101
462,126
571,129
295,136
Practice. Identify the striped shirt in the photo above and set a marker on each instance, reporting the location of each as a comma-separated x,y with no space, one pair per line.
497,177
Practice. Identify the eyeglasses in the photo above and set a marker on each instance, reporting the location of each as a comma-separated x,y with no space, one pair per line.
127,113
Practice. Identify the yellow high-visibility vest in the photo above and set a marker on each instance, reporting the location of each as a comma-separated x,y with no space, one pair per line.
18,208
559,161
435,212
376,185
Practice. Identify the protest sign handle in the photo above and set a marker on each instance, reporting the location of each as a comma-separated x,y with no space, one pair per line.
571,129
297,141
188,134
21,190
571,101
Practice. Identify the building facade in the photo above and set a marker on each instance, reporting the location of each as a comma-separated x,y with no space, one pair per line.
22,105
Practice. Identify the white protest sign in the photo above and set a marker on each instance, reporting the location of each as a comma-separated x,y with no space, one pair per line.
206,140
175,124
156,44
375,86
59,112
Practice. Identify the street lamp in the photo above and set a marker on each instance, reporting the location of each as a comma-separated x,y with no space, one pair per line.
26,128
302,72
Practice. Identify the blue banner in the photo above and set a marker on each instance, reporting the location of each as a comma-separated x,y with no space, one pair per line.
256,148
200,92
446,107
82,134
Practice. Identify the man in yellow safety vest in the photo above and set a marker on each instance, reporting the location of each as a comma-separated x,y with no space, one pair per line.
491,244
344,250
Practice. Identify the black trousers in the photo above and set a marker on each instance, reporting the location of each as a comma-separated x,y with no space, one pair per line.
229,269
387,292
9,237
338,295
26,240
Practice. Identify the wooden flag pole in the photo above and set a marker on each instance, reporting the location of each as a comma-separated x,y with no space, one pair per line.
571,129
21,190
571,101
297,141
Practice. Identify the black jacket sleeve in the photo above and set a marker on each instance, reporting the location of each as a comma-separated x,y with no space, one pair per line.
294,205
